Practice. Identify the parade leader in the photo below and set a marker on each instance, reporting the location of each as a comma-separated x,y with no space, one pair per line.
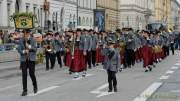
27,49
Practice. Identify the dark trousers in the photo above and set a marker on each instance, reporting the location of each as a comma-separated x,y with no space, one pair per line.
58,55
88,58
129,57
50,57
31,66
112,79
172,48
93,57
166,50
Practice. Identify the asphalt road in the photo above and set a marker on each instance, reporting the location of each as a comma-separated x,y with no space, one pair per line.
133,84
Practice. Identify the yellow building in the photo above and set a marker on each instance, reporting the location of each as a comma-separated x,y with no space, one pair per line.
111,13
163,11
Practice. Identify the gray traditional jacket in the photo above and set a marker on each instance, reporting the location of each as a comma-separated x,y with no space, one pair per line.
32,50
112,59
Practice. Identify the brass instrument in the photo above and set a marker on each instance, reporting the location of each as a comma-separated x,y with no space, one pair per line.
49,47
26,48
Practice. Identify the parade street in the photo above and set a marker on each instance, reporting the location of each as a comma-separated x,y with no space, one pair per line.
162,84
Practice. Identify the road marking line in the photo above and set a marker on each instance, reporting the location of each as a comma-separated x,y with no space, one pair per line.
97,91
101,93
148,92
164,77
178,61
104,94
177,64
8,87
101,69
174,67
102,87
169,72
87,75
43,90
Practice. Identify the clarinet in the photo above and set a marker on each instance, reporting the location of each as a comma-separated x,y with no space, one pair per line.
73,48
26,43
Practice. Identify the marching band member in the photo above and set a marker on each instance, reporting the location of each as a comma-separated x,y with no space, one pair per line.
76,57
49,51
59,48
94,46
129,48
69,44
122,50
27,49
146,51
111,64
166,43
138,56
99,57
86,42
172,41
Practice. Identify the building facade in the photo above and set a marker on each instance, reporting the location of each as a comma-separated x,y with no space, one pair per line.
111,8
61,15
86,13
162,11
175,15
7,7
135,13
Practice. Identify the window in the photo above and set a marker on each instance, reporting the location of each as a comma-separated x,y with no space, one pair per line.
8,13
83,21
41,15
34,10
87,21
70,17
79,22
27,8
91,23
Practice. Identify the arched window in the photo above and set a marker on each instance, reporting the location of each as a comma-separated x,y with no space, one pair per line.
74,17
91,22
87,21
70,18
137,22
79,21
83,21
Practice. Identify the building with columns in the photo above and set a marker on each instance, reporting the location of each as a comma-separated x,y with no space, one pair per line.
135,13
7,8
175,15
86,13
62,14
163,12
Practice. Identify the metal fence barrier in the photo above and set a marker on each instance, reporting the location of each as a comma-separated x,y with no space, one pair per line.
8,53
7,47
